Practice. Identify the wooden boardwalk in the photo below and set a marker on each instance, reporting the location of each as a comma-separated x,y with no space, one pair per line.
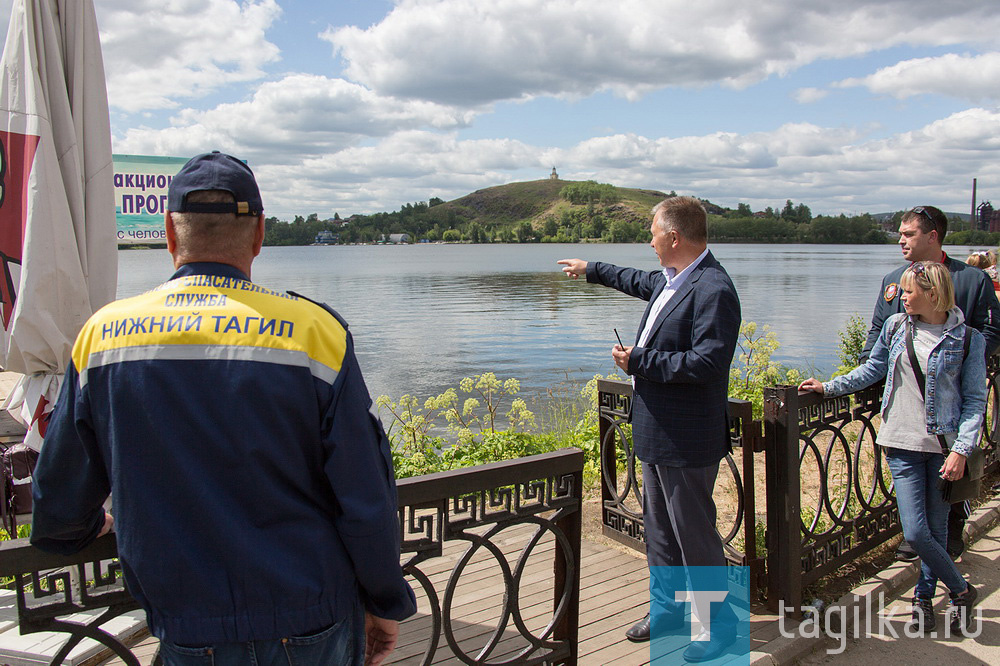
613,595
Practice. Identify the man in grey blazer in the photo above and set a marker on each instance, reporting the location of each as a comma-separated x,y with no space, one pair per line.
680,367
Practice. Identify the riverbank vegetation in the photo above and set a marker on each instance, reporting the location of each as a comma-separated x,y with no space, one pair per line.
560,211
484,419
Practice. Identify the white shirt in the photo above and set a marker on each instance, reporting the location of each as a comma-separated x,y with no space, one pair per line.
674,282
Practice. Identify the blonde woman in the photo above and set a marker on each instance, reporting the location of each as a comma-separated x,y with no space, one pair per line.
926,434
986,260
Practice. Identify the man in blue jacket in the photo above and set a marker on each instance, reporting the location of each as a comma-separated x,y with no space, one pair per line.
253,488
921,237
680,368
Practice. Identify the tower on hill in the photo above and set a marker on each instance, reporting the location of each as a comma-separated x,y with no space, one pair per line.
553,175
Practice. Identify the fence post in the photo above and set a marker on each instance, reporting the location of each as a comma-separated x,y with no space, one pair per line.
751,443
609,461
568,628
784,521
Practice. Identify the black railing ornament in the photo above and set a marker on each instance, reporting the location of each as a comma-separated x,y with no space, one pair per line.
489,508
49,587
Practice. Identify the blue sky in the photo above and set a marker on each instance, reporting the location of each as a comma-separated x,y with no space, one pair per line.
362,105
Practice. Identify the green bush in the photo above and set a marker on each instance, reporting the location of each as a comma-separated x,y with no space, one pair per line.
755,369
448,431
590,191
852,342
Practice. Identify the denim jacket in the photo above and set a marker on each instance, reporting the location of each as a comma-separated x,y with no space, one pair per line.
955,390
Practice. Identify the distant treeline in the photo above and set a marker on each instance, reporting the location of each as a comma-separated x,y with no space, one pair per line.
821,229
608,222
573,211
973,237
573,225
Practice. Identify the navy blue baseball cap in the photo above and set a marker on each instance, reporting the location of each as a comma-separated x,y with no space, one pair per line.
215,171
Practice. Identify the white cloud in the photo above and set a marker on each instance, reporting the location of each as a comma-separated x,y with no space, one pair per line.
972,78
157,52
809,95
300,115
832,170
409,166
474,52
389,129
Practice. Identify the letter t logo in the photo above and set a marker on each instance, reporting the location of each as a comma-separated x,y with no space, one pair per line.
701,617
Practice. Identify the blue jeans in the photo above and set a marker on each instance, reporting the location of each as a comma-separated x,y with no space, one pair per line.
341,644
924,516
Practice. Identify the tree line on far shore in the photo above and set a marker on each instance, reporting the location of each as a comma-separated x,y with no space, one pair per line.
586,212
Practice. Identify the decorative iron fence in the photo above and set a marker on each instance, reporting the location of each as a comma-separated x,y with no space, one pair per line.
829,492
515,513
50,587
511,514
621,481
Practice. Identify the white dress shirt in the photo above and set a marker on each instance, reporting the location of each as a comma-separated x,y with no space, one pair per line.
674,282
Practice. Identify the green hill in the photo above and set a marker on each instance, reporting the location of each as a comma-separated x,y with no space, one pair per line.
537,210
534,201
567,211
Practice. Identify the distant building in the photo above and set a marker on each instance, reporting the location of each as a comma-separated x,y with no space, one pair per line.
553,175
325,237
989,219
399,238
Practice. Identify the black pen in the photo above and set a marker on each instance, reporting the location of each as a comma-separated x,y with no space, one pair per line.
619,338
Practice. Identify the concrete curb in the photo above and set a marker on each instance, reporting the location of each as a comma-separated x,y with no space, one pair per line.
850,609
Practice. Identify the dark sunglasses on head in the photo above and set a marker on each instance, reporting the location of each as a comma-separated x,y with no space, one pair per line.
920,210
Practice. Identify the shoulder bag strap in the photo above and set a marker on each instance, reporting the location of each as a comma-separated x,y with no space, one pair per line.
919,374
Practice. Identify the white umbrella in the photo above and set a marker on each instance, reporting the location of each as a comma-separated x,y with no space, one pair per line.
57,215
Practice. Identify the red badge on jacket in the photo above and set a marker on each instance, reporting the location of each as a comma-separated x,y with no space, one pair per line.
890,292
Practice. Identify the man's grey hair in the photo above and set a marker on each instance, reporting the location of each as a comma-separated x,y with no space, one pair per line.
215,234
685,215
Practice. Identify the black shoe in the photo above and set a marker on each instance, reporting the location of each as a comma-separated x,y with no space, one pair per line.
923,615
706,650
641,630
960,609
904,553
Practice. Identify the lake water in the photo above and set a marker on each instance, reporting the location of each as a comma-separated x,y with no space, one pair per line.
425,316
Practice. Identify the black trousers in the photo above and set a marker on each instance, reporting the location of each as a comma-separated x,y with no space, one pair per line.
679,519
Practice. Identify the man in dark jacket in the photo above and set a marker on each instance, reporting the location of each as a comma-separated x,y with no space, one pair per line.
921,235
680,366
253,488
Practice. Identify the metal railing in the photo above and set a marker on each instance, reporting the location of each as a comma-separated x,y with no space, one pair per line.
829,493
541,496
49,587
486,506
621,481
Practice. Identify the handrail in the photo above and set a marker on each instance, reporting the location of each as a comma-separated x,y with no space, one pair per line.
539,494
621,486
